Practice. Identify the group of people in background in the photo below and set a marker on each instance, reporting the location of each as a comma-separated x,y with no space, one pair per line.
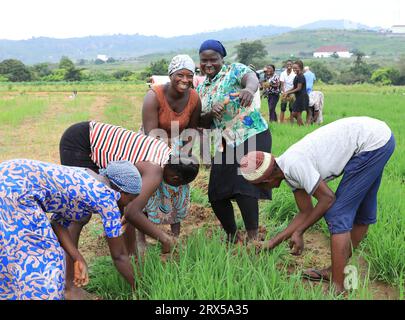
137,179
295,86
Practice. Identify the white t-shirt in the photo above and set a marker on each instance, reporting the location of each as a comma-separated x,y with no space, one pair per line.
324,153
288,80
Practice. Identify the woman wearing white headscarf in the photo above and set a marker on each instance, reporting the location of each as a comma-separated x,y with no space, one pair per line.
172,108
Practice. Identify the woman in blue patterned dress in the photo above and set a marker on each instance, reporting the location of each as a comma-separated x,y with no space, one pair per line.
31,245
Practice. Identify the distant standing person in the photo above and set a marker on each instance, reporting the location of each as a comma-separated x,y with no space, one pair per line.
310,78
301,97
287,83
271,88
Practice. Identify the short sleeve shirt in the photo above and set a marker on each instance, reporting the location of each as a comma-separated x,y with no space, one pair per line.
324,153
68,193
238,123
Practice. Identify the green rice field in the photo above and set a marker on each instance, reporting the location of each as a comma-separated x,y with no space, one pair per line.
202,266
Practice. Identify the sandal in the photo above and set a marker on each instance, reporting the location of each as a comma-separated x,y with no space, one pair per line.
319,275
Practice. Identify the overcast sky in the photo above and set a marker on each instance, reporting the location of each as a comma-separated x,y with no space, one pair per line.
23,19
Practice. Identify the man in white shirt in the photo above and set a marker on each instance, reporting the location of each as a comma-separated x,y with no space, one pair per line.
287,83
358,148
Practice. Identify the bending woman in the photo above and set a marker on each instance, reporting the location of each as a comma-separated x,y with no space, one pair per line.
31,254
94,144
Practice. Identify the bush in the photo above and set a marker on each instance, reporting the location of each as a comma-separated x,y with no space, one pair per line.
385,76
120,74
322,72
15,71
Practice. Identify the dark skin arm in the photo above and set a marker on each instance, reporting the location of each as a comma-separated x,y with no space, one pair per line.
298,88
326,198
305,206
121,259
307,216
152,176
81,277
249,85
150,112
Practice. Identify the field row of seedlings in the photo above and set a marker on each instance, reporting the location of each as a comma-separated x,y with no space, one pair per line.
203,266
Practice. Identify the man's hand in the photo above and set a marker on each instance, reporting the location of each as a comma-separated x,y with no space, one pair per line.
296,244
81,276
263,245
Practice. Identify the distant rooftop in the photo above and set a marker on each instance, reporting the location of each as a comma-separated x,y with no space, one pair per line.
332,49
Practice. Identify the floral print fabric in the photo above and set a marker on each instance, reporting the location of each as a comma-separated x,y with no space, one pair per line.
31,258
238,123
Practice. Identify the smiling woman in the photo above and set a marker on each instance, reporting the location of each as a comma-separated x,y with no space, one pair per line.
172,107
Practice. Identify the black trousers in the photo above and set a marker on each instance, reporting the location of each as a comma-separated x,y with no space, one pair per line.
226,184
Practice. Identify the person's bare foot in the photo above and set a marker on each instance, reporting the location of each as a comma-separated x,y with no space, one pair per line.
75,293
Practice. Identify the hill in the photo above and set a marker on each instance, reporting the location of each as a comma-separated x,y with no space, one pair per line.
120,46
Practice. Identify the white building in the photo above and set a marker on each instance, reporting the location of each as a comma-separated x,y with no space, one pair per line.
398,29
328,51
102,57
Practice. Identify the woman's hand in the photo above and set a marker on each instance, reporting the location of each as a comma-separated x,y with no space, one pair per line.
81,276
218,110
246,96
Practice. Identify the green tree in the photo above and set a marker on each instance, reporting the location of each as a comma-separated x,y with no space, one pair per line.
385,76
72,73
15,71
159,67
66,63
42,69
322,72
401,70
98,61
248,51
122,74
56,75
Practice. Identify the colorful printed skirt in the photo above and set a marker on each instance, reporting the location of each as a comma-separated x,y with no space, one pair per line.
31,258
169,204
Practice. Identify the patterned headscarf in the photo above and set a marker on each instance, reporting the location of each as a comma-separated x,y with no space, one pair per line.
256,166
124,175
181,61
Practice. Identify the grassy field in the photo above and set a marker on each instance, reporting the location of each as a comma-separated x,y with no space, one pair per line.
33,118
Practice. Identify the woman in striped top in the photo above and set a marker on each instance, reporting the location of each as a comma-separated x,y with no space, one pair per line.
93,145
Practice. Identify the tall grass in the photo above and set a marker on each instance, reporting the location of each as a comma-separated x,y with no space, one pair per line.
15,110
209,269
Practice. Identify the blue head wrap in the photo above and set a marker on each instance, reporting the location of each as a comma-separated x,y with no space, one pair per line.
124,175
213,45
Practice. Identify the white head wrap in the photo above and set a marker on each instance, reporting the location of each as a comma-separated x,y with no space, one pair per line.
182,61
